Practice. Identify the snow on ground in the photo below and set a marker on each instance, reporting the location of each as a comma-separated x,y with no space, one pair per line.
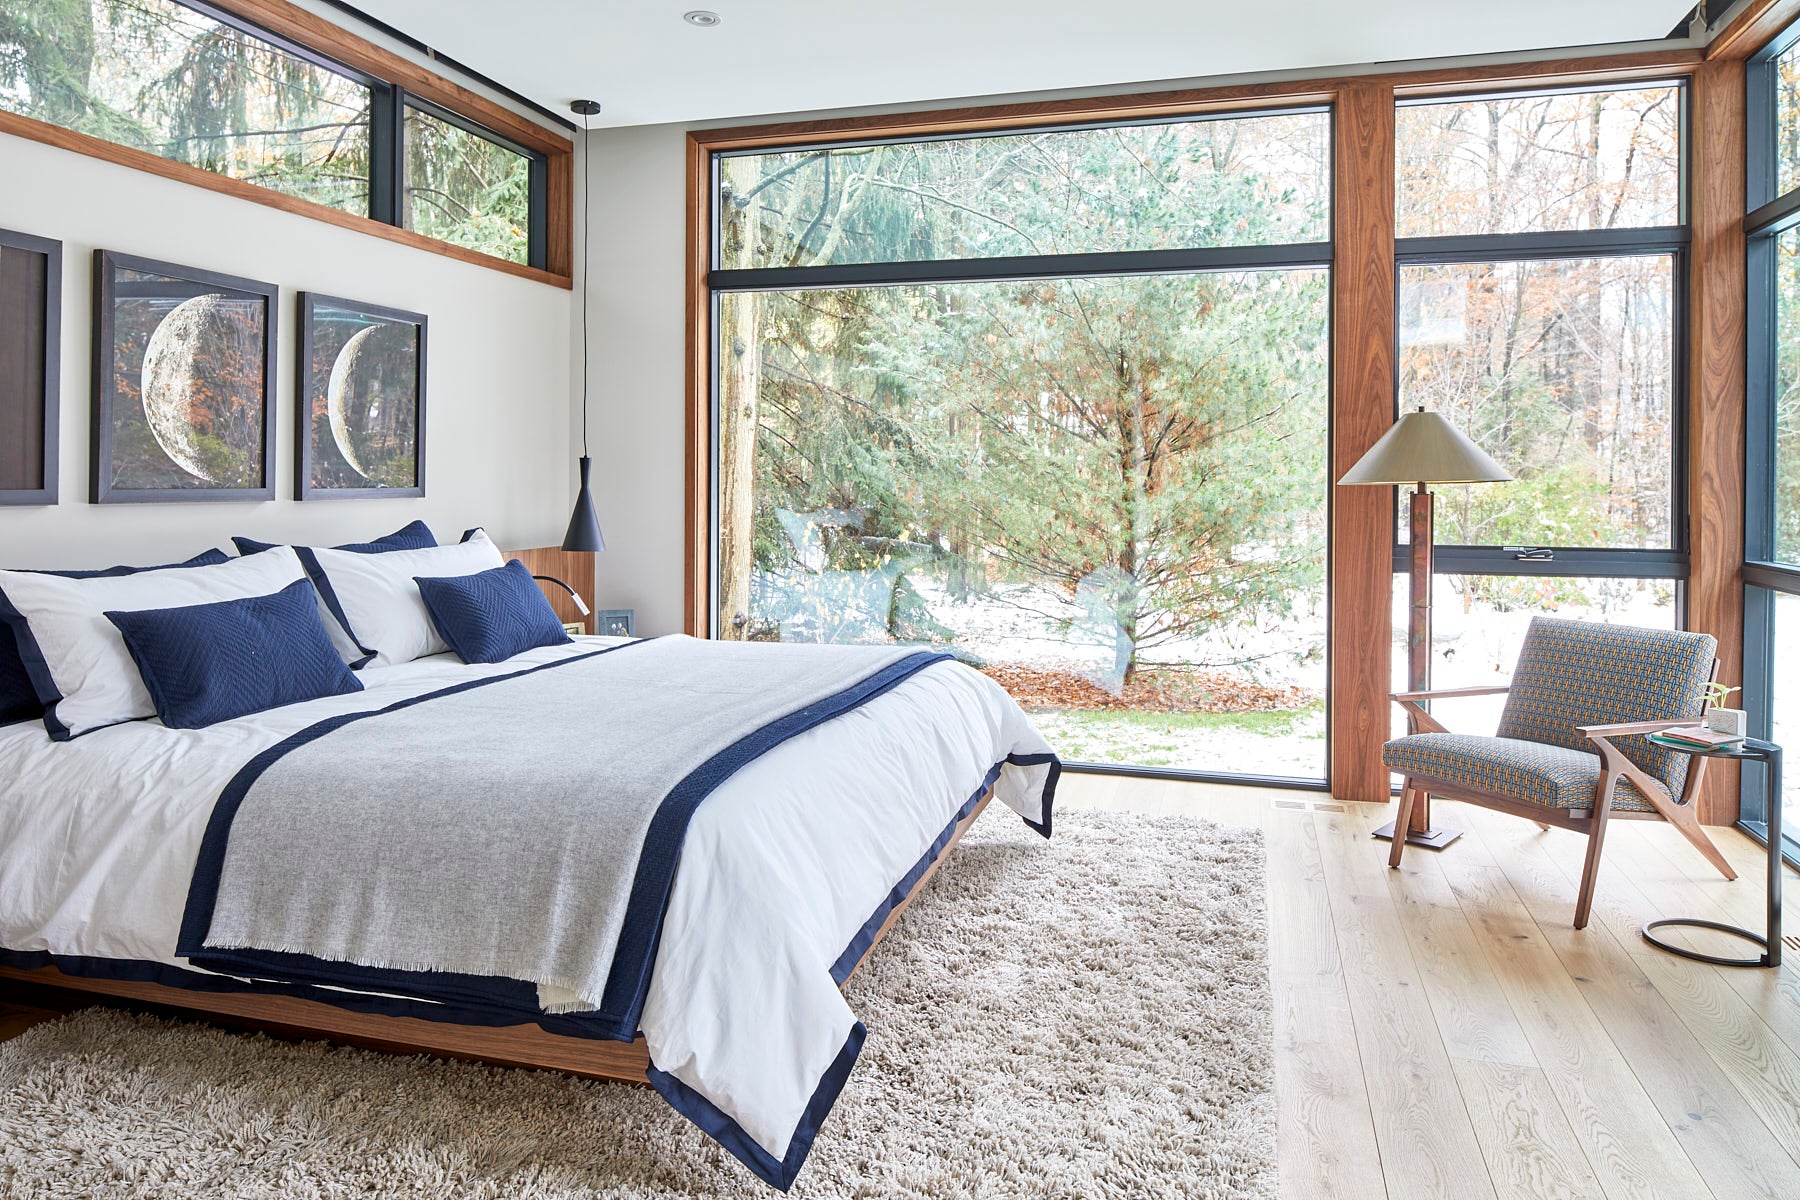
1475,641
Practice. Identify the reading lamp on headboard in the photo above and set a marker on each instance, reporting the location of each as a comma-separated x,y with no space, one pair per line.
567,578
580,604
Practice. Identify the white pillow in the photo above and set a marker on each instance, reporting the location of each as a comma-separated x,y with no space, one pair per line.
374,599
65,635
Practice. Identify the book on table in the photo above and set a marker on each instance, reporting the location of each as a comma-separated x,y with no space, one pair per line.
1699,737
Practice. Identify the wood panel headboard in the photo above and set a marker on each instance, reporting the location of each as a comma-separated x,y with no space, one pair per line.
573,567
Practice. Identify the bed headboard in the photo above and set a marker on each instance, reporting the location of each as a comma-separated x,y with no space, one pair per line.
573,567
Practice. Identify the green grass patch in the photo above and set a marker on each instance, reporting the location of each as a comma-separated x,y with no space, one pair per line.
1282,723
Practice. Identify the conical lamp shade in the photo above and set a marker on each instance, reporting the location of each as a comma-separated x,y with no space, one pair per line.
584,526
1422,447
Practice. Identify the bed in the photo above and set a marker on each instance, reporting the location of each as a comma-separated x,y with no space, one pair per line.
410,828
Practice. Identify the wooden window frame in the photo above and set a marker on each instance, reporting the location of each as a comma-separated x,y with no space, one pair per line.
312,33
1363,327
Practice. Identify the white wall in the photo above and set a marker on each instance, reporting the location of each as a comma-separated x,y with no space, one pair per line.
637,321
497,374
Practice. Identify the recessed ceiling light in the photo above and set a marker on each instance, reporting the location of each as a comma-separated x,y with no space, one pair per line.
702,17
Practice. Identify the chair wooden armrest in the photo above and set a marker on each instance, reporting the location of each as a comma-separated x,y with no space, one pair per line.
1421,721
1452,693
1596,732
1616,765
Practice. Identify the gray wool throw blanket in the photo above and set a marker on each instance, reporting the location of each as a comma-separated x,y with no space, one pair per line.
492,839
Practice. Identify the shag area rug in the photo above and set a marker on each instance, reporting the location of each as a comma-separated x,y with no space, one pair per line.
1079,1018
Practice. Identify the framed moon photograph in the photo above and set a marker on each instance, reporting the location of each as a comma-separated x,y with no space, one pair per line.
361,405
184,364
30,358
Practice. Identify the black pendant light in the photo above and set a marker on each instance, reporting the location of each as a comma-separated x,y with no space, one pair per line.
584,525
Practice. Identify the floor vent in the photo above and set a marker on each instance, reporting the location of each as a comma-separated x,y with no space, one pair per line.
1328,808
1309,806
1299,804
1792,942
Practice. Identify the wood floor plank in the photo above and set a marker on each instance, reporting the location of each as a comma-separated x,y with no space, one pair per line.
1628,1143
1645,884
1473,1015
1744,895
16,1019
1697,885
1708,1114
1764,1069
1427,1141
1526,1141
1654,1076
1532,1153
1324,1132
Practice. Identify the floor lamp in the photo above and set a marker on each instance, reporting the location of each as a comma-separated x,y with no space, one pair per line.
1422,449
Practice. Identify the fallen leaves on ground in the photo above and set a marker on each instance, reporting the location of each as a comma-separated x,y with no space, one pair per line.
1166,690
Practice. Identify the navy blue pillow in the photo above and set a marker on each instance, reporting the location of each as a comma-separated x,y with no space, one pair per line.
206,663
18,699
492,615
414,537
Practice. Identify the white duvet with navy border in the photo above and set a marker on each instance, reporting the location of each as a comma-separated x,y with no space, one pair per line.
785,870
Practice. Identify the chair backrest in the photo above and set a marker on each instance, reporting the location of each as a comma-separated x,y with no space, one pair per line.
1574,673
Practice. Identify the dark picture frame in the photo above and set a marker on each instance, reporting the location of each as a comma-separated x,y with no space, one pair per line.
342,341
137,459
30,367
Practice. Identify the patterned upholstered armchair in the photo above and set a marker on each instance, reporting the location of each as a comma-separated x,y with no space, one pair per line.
1571,750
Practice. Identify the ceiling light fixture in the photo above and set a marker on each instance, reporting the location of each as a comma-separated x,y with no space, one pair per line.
584,523
701,17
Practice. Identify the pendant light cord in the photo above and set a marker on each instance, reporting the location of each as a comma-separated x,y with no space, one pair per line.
587,232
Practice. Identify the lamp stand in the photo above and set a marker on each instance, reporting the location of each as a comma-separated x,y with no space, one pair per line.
1418,657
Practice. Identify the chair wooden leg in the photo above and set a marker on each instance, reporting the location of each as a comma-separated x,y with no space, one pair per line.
1590,870
1402,821
1688,821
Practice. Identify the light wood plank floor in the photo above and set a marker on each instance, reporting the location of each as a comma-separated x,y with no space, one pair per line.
1441,1032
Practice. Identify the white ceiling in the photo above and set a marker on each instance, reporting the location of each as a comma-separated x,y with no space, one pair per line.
646,65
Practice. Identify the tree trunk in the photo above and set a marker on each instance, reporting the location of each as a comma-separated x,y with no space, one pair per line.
740,382
1131,454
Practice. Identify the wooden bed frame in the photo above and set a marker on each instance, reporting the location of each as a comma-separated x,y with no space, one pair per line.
507,1046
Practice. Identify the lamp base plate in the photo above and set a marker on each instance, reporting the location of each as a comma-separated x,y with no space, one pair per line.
1431,839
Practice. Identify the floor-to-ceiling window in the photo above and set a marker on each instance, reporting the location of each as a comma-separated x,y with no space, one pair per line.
1772,466
1056,400
1541,243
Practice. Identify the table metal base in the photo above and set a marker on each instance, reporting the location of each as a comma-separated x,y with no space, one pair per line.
1761,960
1431,839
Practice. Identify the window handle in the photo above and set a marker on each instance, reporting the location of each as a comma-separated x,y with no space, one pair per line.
1531,553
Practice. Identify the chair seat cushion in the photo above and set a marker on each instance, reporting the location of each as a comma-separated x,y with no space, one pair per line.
1527,772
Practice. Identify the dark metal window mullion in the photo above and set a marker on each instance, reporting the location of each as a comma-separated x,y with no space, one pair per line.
1532,247
1680,316
1773,577
1777,216
1026,266
1569,563
537,228
387,137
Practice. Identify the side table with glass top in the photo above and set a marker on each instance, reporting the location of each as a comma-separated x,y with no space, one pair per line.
1769,755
